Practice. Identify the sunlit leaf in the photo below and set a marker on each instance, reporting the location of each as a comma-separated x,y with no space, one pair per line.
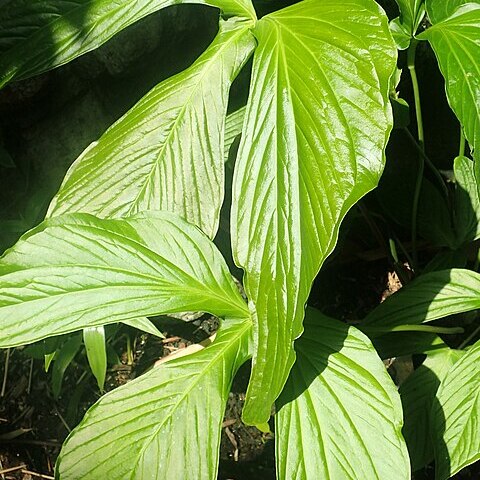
456,42
456,416
320,75
438,10
429,297
404,27
79,271
167,152
38,36
163,425
418,394
340,414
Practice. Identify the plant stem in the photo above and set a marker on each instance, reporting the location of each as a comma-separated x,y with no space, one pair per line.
461,150
429,163
421,141
470,337
413,328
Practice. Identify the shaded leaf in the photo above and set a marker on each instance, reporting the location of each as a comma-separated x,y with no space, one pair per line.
38,36
164,424
467,201
339,398
456,43
404,27
94,340
63,358
429,297
456,416
398,344
233,128
418,395
145,325
320,74
166,153
78,271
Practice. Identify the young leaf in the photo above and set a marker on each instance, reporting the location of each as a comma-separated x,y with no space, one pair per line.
404,27
456,416
338,400
456,42
166,153
418,394
467,201
164,424
38,36
94,340
429,297
320,74
79,271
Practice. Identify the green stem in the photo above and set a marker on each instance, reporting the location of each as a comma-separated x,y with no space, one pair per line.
469,338
421,140
461,150
413,328
429,163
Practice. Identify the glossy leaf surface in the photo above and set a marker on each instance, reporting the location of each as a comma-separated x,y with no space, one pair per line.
418,394
456,416
167,152
165,424
438,10
79,271
429,297
456,42
38,36
320,74
338,403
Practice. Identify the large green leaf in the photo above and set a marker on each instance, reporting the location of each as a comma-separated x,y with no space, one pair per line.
456,42
418,395
438,10
429,297
165,424
166,153
456,416
320,76
79,271
404,27
36,36
338,400
467,201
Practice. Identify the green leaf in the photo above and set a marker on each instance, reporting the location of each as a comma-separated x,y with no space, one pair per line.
418,395
403,28
467,201
233,128
337,402
38,36
94,340
429,297
78,271
145,325
456,42
167,152
164,424
439,10
63,358
321,73
456,416
397,344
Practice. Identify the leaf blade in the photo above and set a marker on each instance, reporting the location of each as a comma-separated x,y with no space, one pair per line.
194,388
282,229
79,271
166,153
342,387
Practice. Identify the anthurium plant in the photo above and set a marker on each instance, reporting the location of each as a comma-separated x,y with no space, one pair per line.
129,235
